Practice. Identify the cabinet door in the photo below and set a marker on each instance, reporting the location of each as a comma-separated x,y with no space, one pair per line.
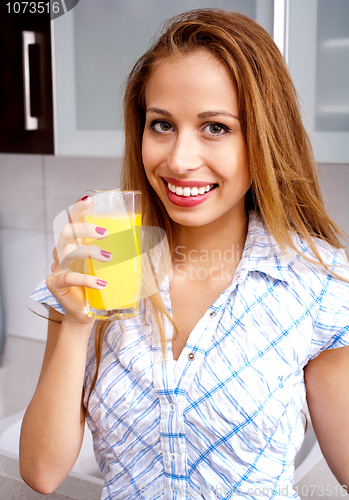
26,114
95,47
318,58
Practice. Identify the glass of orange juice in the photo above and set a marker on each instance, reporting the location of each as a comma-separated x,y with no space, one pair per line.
120,212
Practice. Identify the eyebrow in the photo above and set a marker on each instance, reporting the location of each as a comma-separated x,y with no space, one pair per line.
208,114
205,114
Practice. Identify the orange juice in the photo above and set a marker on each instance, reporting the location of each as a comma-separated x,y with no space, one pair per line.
123,272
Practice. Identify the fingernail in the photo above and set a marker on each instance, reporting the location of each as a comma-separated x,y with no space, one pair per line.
105,254
100,230
101,283
85,198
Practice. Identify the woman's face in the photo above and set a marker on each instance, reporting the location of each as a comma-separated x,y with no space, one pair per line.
193,150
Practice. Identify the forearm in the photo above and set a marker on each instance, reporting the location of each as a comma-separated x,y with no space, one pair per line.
52,428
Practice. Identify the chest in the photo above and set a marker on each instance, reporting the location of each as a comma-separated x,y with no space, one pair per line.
246,366
190,299
249,364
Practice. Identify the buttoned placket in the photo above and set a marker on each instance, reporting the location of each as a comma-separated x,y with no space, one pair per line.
172,393
172,382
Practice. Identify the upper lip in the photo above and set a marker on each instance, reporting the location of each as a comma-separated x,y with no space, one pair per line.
180,183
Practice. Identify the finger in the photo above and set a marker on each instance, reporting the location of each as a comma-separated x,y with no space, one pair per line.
55,267
74,252
72,232
60,284
77,212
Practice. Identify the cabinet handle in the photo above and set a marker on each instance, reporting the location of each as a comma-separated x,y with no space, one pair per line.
29,38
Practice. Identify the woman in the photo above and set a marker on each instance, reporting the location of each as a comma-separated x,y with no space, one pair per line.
201,394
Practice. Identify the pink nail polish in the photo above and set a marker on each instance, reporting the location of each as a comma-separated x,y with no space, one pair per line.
105,254
85,198
100,230
101,283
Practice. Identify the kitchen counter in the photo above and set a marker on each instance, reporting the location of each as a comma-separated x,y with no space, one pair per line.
12,487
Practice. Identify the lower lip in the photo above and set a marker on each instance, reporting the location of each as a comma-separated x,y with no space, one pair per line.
187,201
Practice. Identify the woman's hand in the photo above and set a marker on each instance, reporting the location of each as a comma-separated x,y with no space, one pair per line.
67,280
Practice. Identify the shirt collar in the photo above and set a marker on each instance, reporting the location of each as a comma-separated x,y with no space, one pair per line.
262,253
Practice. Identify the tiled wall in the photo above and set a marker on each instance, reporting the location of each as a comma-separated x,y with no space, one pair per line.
34,189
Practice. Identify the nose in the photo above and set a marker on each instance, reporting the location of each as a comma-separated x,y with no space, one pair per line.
185,154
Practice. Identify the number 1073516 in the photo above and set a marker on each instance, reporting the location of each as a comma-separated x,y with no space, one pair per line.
33,7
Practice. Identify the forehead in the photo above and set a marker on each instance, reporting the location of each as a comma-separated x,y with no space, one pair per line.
199,75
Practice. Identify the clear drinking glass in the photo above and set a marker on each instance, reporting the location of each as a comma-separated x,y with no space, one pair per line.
119,212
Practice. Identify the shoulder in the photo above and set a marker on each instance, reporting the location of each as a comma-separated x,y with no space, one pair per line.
326,290
323,290
330,255
328,284
301,259
336,262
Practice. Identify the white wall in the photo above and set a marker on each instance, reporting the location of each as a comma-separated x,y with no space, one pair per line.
334,179
34,189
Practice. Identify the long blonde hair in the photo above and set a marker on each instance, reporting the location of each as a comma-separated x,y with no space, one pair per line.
285,189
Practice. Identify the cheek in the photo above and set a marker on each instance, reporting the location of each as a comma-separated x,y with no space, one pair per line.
235,161
243,164
245,176
148,156
144,151
149,162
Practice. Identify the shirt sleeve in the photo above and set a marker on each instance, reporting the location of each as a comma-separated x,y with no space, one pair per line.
42,295
331,329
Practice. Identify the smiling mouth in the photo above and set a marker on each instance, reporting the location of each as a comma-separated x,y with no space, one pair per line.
190,191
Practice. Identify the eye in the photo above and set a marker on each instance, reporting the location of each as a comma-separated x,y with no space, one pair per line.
216,129
161,126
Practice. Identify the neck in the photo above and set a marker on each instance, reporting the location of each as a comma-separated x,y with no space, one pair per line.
212,242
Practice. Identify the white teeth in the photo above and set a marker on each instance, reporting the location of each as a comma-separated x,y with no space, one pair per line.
187,191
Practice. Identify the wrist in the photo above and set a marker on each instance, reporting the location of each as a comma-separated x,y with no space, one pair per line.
80,325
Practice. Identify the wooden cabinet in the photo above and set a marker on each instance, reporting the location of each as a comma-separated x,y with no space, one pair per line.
26,104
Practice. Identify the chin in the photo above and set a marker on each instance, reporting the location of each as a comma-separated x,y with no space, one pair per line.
190,220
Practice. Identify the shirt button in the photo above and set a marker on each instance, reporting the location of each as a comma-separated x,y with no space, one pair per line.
213,314
191,356
172,407
173,457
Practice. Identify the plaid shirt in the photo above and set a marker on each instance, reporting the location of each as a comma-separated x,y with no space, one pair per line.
224,420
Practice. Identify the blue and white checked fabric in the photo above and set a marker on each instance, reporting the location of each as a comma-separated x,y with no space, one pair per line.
224,420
